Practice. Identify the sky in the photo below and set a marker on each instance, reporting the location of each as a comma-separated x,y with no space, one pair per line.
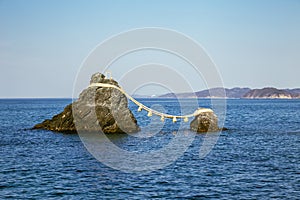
43,43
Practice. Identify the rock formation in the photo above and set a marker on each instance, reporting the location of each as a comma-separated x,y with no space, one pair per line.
205,121
96,107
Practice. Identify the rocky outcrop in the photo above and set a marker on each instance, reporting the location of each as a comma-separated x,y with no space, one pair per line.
205,121
62,122
97,108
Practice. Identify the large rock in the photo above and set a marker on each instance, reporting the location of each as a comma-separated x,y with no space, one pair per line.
205,121
97,108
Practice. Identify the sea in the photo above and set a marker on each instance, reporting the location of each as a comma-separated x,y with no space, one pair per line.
258,157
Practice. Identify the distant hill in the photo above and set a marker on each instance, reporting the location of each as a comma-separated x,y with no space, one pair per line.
219,92
294,91
271,93
214,93
237,92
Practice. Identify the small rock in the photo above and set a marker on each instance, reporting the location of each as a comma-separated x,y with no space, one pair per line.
205,121
97,78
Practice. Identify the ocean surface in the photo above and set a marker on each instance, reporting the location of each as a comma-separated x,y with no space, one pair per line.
258,158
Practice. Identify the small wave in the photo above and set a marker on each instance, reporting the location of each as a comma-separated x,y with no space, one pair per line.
294,132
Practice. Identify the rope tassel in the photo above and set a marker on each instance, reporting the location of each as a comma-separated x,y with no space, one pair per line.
149,113
186,119
140,108
174,119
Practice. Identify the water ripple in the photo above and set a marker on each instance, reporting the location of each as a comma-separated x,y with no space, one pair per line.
257,159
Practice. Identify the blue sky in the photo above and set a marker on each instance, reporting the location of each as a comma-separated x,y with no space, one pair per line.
43,43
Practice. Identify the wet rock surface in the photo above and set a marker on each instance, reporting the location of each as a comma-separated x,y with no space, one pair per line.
97,109
205,121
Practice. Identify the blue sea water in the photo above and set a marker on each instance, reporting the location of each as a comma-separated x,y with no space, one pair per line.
258,158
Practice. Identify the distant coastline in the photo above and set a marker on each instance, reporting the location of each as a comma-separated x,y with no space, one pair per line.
235,93
213,93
